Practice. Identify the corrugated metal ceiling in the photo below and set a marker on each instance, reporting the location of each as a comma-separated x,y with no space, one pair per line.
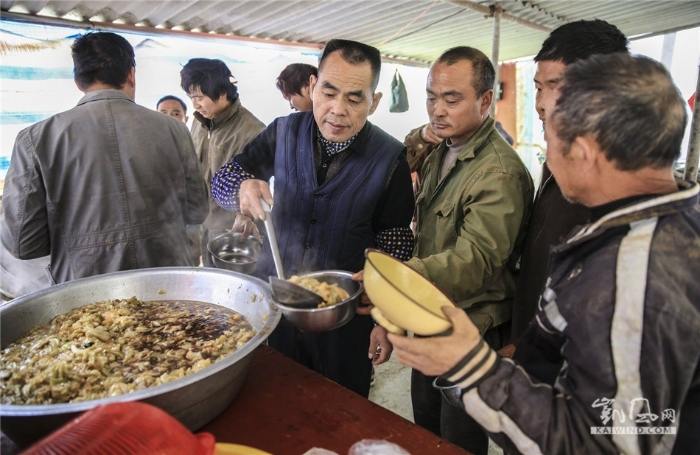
416,30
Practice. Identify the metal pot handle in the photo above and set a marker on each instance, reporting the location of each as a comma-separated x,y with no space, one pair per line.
272,238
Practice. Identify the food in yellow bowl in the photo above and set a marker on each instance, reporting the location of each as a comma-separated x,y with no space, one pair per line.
403,296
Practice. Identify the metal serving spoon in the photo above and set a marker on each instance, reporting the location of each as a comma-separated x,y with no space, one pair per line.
283,291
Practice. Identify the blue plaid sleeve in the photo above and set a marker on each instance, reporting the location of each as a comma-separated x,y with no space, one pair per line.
227,183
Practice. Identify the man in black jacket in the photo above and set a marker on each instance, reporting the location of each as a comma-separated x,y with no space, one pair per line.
552,217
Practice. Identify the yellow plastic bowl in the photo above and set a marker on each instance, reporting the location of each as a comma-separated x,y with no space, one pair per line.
404,297
223,448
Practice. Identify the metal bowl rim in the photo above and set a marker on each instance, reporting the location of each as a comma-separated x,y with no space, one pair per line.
341,273
274,315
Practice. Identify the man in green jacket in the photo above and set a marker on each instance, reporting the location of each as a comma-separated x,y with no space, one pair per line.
221,127
474,200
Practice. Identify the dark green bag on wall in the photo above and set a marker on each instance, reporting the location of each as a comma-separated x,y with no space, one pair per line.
399,97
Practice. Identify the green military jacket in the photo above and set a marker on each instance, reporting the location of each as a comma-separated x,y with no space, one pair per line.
216,142
470,225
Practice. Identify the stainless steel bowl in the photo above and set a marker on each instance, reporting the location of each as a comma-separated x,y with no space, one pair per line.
195,399
231,251
328,318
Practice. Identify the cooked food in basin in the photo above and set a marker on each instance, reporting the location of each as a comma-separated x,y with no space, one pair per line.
115,347
194,399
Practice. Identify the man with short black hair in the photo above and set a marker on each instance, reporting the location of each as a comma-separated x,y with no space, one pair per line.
173,106
553,217
294,83
108,185
341,185
220,130
621,308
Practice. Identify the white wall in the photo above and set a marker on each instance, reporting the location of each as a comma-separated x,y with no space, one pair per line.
684,66
159,60
684,71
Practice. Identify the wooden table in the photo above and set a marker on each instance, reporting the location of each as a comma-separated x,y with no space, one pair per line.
286,409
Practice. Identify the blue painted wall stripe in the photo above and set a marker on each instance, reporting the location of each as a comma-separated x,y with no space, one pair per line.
14,118
33,73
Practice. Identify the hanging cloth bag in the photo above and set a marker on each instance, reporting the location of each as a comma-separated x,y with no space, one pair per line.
399,97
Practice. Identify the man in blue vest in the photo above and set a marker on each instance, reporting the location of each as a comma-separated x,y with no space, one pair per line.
341,185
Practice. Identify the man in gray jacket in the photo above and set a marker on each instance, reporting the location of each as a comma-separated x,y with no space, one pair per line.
220,130
108,185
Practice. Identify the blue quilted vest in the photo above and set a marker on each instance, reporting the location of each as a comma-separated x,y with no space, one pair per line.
329,226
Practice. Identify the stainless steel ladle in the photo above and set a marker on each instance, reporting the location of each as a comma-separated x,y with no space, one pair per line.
283,291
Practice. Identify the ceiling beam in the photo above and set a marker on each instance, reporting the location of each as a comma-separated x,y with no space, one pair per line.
112,27
118,27
488,11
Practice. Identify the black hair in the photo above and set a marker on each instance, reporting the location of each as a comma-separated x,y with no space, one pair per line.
174,98
101,57
211,76
581,39
484,73
354,53
294,78
628,104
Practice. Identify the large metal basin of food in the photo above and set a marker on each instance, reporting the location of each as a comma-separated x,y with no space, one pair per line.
195,399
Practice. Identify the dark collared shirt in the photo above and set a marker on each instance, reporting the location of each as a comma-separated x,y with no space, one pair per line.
257,161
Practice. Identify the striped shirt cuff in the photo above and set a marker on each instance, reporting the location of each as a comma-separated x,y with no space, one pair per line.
471,369
397,242
227,183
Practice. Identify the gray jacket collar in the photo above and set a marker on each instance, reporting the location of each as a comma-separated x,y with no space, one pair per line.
225,116
106,94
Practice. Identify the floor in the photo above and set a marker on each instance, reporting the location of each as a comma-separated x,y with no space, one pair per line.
392,383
